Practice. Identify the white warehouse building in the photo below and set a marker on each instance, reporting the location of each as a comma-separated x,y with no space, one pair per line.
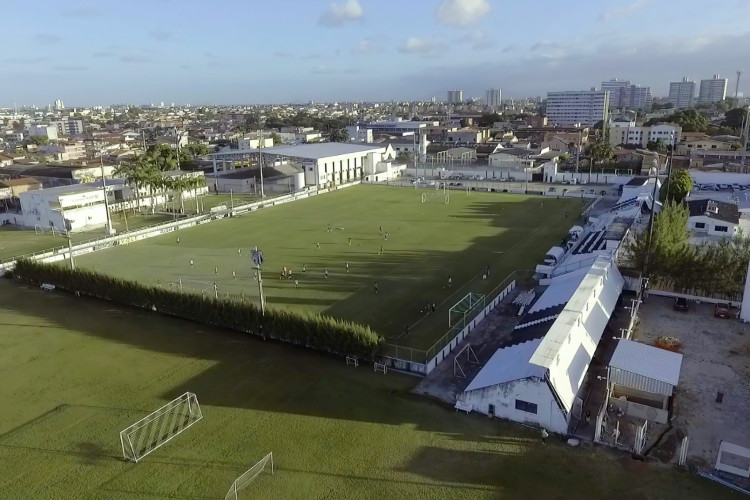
81,204
538,378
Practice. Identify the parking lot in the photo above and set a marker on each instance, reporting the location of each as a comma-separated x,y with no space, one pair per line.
712,400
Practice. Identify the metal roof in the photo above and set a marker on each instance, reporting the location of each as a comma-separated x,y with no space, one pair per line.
507,365
559,290
647,362
314,151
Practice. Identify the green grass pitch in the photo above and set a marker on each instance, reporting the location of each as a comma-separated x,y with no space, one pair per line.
76,371
426,244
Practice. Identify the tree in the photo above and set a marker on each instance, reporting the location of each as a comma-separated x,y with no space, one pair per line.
734,117
667,243
600,151
657,146
339,135
40,140
276,139
195,149
680,184
690,120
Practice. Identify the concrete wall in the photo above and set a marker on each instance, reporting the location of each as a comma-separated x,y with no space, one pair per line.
504,396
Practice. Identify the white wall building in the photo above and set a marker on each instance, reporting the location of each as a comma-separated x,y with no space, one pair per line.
40,129
81,204
713,218
619,92
251,141
628,133
539,380
682,94
68,127
455,96
358,133
712,90
584,107
493,97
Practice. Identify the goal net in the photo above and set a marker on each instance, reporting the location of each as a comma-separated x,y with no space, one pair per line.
159,427
248,476
198,287
465,308
47,230
435,197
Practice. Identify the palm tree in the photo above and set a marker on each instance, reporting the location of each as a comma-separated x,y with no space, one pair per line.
133,174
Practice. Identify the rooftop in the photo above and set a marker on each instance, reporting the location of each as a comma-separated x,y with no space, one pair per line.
312,151
647,361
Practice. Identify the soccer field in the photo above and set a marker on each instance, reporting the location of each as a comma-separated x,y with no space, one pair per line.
76,371
425,245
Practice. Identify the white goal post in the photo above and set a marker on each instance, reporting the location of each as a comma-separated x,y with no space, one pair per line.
460,310
157,428
38,229
436,197
248,476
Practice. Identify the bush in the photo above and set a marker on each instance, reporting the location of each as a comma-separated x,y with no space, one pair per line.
314,331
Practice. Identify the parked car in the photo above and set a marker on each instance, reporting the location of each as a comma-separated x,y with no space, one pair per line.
592,191
722,311
681,304
582,181
552,190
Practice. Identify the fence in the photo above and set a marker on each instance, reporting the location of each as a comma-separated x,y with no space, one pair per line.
100,243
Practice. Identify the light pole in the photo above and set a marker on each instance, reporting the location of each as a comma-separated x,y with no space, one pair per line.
257,257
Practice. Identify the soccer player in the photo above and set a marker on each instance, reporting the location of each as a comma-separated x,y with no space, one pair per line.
304,268
216,269
381,250
234,275
239,251
329,228
296,283
376,287
450,281
350,242
289,273
325,271
178,240
191,263
346,264
317,245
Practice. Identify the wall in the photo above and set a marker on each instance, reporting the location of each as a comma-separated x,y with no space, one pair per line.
710,226
531,390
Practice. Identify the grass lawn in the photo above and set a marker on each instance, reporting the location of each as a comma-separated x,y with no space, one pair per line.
428,243
76,371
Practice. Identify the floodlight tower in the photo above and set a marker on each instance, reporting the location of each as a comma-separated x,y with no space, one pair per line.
737,86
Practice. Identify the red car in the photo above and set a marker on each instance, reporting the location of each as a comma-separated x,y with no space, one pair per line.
722,311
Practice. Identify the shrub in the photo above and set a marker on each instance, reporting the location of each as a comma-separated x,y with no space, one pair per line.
318,332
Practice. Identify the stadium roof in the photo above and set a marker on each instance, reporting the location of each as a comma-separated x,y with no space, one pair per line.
645,367
507,365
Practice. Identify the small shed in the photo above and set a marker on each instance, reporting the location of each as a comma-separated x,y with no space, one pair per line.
642,378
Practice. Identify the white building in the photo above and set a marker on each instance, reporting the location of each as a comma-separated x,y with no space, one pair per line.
682,94
40,129
713,218
628,133
68,127
399,127
358,133
251,141
619,92
712,90
538,379
59,106
640,97
455,96
80,204
493,97
577,107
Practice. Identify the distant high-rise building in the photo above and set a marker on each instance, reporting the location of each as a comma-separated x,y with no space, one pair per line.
59,106
640,97
682,94
619,93
455,96
712,90
585,107
493,97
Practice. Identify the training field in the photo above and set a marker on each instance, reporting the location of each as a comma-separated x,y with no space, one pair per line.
76,371
427,243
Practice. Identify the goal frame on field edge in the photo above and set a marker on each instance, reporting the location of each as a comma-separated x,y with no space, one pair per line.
194,411
465,306
431,196
40,229
253,472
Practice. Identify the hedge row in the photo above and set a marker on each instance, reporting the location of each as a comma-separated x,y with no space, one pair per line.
314,331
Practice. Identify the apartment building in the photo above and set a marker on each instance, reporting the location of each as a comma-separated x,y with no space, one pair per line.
712,90
577,107
682,94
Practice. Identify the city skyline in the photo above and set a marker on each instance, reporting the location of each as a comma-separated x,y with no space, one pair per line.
359,50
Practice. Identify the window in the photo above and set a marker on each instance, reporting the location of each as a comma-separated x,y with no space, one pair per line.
700,225
491,411
325,167
721,229
525,406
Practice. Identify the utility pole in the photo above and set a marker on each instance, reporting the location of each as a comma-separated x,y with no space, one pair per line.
260,160
737,86
104,192
578,151
744,144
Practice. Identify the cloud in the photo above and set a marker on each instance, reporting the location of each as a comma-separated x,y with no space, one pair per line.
131,59
69,68
338,14
310,56
81,12
477,40
548,49
47,38
321,69
104,53
364,47
26,60
622,11
461,13
162,36
282,54
422,46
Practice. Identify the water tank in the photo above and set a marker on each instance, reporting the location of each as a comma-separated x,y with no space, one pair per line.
299,181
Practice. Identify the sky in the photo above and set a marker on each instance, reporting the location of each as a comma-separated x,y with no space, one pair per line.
252,51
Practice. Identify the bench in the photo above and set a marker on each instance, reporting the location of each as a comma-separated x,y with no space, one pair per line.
463,406
47,287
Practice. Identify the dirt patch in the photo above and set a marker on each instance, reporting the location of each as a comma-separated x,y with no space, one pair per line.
712,400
